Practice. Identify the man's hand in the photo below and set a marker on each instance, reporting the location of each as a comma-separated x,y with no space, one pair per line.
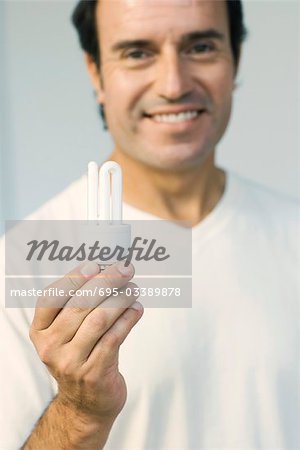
80,344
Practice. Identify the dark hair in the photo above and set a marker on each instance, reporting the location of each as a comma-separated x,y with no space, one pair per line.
84,20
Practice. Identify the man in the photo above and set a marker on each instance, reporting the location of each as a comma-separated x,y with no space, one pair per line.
222,374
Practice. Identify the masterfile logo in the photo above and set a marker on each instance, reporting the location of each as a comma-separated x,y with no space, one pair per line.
38,253
140,249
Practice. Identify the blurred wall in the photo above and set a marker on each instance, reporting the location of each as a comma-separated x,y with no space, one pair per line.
49,123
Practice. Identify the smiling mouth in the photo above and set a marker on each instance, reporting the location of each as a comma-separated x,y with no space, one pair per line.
175,118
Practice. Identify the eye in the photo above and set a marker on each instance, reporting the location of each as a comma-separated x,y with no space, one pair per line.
201,47
136,54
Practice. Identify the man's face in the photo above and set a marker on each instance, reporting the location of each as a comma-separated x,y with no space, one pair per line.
168,75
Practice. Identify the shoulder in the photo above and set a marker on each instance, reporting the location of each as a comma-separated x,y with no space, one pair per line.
267,216
264,203
68,204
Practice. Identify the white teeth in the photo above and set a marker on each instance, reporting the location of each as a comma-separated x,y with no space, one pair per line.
174,118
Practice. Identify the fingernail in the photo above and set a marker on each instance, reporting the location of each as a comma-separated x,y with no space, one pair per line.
125,270
90,269
137,305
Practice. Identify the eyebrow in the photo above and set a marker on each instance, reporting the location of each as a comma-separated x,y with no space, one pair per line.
185,39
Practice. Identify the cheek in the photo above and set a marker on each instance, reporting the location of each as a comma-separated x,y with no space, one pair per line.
221,88
219,84
218,80
122,94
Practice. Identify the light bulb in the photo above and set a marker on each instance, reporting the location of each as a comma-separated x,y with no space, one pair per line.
107,212
110,191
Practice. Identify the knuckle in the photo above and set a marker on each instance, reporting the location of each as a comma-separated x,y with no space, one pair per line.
98,319
65,368
43,302
90,380
127,319
78,310
45,352
32,334
40,302
46,347
111,340
74,282
76,305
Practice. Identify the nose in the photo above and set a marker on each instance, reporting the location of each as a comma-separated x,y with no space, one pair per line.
173,80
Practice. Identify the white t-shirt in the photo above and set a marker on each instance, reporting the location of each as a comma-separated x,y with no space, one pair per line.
220,375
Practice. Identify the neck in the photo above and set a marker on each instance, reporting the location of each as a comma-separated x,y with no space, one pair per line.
190,195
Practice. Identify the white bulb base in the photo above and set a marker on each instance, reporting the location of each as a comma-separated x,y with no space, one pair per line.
113,237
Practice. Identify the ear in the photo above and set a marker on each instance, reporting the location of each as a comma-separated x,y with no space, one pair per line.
238,61
95,76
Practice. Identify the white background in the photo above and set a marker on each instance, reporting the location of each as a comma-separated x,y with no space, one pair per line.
49,127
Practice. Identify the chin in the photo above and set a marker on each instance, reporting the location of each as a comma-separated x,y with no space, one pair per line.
177,159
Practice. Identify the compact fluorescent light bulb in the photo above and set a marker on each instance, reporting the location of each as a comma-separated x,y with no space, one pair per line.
110,191
107,187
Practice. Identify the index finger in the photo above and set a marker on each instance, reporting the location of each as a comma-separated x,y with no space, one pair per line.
48,308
